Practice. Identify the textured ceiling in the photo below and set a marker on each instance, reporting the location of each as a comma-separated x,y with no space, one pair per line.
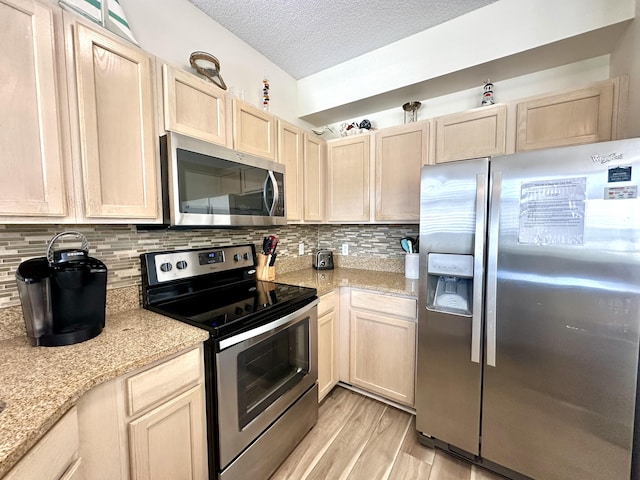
306,36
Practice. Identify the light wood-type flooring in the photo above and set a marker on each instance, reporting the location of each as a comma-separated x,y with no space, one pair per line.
358,438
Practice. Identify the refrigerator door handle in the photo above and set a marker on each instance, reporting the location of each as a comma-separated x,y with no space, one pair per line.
492,266
478,265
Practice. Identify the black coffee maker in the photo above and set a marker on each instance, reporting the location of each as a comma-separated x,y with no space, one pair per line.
63,295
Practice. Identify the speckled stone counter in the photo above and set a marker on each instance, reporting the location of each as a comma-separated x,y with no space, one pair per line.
40,384
327,280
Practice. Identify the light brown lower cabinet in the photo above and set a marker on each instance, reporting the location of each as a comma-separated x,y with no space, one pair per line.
55,456
327,344
168,442
382,349
147,425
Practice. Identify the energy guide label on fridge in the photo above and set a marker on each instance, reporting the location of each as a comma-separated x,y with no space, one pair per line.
620,193
552,212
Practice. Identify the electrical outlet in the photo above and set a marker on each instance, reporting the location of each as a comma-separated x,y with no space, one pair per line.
345,249
301,248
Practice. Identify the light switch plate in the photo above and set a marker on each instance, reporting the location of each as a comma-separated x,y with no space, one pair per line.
345,249
301,248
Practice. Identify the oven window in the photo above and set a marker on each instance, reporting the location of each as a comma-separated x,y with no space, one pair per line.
270,368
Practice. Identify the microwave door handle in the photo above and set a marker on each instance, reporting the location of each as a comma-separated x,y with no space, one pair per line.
276,193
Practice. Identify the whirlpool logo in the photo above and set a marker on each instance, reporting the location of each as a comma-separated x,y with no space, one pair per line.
602,159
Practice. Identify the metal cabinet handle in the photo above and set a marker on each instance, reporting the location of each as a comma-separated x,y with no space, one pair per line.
478,266
269,328
492,266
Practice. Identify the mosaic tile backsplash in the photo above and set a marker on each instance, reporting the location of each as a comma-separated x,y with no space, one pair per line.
120,246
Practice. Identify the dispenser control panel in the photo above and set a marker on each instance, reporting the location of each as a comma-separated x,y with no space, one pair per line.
450,264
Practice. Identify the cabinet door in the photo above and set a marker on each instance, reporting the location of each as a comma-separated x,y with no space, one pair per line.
382,355
580,116
193,106
32,179
254,131
74,472
348,180
327,354
170,441
291,154
53,456
116,127
315,157
400,154
477,133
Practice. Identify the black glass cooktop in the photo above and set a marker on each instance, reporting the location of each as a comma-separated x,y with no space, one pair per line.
232,309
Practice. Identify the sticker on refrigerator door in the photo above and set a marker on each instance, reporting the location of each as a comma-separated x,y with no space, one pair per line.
552,212
620,193
620,174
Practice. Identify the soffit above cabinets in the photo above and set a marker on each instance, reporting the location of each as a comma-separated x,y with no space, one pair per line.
353,59
304,37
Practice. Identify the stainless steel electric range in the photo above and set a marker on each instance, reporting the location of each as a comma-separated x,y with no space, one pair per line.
261,358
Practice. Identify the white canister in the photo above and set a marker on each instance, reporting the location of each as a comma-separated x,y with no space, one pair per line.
412,265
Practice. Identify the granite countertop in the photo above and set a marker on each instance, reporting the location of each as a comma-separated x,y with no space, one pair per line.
40,384
327,280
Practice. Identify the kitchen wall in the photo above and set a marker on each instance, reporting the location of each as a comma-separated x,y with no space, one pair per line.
626,59
565,77
120,246
173,29
176,28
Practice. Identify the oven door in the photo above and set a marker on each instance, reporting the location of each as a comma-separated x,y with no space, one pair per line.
261,373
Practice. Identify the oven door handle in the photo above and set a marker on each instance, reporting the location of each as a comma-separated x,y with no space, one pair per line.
267,328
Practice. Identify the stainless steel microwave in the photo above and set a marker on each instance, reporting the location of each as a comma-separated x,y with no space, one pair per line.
207,185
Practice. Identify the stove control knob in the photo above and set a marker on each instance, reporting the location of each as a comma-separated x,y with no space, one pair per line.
166,267
237,257
246,256
181,265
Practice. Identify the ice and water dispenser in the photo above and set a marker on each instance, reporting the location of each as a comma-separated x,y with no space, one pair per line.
450,283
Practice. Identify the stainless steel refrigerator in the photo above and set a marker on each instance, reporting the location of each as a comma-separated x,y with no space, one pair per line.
529,311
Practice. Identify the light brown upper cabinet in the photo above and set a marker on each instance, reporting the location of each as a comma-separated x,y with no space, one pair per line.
572,118
399,156
291,154
254,131
348,179
193,106
115,137
315,158
35,176
480,132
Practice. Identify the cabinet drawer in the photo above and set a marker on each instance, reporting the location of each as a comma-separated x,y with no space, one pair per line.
380,303
51,456
327,303
163,381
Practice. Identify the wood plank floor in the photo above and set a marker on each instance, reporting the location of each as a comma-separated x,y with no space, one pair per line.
358,438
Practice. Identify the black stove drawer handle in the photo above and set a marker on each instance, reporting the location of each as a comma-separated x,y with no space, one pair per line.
267,328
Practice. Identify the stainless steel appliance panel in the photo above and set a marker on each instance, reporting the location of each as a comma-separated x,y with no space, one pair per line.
237,427
207,185
449,373
273,446
563,303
